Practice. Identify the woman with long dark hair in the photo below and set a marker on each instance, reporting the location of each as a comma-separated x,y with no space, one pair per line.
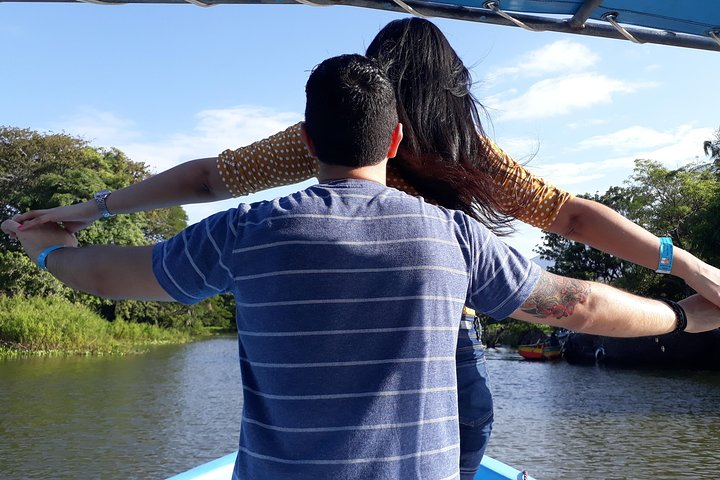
445,157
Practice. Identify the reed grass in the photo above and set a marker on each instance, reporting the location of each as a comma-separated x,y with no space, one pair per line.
54,325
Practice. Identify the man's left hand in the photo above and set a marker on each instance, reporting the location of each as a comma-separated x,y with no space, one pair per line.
37,239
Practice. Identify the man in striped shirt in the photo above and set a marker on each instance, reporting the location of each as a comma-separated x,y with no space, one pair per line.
348,299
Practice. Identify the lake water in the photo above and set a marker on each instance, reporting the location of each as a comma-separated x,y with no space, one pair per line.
153,415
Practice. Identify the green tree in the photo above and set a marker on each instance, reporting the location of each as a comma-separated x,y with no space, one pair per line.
712,150
48,170
681,203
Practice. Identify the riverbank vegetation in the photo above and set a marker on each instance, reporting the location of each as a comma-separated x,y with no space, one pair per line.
40,314
54,325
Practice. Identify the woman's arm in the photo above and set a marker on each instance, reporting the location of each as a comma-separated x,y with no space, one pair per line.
275,161
195,181
601,227
550,208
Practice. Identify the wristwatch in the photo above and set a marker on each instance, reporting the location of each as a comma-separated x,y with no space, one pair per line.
100,198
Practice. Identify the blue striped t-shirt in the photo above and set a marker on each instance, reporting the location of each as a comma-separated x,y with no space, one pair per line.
349,296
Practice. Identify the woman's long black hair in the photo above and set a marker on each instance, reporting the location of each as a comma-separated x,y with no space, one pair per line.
442,155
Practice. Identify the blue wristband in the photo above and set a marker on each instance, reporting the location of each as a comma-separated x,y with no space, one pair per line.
43,255
666,255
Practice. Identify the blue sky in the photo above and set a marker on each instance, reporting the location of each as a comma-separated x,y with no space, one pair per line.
169,83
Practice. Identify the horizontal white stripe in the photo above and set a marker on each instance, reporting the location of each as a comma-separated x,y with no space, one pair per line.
337,396
352,300
350,461
390,194
380,426
360,331
347,217
347,195
350,363
347,242
352,270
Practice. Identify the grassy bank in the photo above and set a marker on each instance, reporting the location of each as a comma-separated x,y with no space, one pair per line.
43,326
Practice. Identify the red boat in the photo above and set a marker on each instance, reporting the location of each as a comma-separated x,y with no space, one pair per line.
539,351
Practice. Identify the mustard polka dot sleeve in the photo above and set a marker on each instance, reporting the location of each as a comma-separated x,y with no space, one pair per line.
531,199
282,159
276,161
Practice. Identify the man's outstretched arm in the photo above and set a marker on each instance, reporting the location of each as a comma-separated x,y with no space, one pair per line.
105,270
599,309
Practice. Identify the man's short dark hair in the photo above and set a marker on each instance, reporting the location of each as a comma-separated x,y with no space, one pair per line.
350,112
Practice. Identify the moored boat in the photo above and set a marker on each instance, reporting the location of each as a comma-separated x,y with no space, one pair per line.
222,469
539,351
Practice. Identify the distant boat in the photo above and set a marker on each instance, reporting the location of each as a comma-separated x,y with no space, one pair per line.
539,351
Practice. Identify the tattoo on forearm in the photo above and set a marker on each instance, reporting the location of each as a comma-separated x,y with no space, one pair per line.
556,296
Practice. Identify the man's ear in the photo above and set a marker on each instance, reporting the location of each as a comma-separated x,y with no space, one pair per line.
397,136
307,140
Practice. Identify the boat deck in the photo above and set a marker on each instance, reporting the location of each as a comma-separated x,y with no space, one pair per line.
221,469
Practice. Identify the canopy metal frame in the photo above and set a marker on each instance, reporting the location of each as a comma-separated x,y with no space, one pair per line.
488,13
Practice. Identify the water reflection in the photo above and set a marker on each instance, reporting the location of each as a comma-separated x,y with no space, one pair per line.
131,417
152,415
563,421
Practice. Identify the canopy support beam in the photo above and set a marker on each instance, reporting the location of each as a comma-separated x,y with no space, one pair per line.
586,9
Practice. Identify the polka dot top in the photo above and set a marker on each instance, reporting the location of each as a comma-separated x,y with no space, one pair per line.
282,159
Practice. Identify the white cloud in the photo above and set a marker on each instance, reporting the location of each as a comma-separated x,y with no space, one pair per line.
629,139
520,148
682,146
567,174
640,139
559,96
593,122
560,56
686,147
98,127
214,131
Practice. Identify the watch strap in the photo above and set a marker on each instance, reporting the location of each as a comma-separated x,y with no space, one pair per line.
100,201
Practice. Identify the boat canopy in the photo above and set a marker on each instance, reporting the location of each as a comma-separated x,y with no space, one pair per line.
682,23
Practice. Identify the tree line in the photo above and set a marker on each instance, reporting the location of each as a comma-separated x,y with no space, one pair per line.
39,170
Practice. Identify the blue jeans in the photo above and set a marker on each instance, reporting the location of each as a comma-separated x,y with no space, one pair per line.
475,404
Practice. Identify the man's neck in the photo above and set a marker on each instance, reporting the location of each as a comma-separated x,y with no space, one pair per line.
374,173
